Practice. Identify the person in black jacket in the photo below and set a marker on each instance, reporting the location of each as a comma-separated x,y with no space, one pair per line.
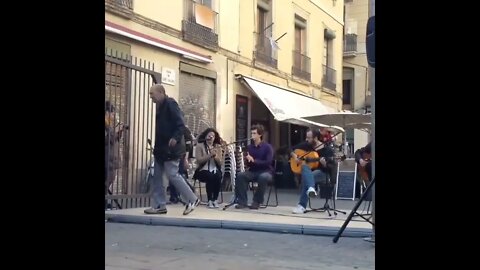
328,166
183,167
169,148
362,157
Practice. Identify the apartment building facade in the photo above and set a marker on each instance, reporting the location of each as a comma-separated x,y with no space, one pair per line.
355,84
228,63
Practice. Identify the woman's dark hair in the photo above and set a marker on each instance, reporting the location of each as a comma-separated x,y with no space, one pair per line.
201,137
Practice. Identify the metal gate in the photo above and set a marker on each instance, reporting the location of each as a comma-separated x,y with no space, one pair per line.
197,101
127,84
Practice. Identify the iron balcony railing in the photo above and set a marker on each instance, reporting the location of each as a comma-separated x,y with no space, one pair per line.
301,65
200,25
350,44
123,3
264,50
329,77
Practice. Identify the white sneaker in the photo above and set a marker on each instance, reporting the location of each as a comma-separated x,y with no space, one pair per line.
215,204
190,207
311,192
299,210
210,204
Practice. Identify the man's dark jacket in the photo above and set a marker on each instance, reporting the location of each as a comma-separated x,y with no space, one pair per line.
169,124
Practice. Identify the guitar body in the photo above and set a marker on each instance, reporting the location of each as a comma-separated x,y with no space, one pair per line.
362,170
302,154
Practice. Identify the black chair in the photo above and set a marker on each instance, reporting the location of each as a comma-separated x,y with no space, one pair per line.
272,186
198,184
365,213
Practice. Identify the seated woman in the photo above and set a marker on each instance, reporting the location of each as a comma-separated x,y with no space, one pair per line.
208,155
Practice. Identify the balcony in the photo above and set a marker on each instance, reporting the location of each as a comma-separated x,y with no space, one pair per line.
122,3
200,25
329,76
264,51
350,45
301,65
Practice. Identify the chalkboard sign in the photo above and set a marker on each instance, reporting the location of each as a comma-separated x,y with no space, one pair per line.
345,185
241,122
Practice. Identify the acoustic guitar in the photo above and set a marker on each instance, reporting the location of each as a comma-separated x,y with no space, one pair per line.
362,171
311,158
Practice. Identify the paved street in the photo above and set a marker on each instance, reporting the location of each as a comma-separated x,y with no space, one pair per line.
129,246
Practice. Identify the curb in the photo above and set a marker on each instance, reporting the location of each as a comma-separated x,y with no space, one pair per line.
238,225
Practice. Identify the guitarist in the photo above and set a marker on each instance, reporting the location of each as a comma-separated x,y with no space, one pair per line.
362,157
328,165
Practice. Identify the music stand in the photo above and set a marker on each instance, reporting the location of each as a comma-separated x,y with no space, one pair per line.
326,192
354,212
233,201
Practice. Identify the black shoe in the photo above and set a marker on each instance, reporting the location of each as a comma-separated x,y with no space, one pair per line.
152,211
240,206
254,206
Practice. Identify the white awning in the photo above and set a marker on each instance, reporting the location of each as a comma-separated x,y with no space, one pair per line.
312,124
286,104
345,119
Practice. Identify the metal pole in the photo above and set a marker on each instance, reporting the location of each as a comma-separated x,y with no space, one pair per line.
372,89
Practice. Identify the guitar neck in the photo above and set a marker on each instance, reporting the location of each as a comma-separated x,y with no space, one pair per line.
336,158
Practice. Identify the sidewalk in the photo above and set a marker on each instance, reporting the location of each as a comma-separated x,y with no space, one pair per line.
272,219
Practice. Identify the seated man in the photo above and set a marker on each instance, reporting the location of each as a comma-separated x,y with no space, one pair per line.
259,162
310,177
362,157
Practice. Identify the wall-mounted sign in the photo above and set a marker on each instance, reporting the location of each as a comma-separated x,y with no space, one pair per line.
168,76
